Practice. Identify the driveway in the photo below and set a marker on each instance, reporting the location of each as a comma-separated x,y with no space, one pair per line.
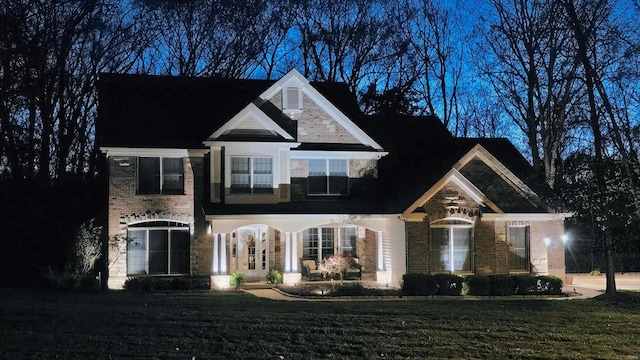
591,286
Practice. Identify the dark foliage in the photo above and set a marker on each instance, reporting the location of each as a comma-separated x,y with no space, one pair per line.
502,285
39,224
178,283
479,285
419,284
449,284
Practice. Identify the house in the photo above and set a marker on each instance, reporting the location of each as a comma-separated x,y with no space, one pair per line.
208,176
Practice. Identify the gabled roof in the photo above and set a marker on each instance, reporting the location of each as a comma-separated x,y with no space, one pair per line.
422,152
252,122
180,112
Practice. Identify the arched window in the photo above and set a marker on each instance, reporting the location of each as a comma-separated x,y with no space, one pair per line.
451,246
158,248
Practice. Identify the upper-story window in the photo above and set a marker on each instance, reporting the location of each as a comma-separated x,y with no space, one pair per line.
328,177
518,240
251,175
160,175
291,99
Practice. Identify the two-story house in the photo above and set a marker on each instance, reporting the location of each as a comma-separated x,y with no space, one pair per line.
208,176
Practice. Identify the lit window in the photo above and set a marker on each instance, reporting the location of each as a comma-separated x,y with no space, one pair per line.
320,243
518,240
158,248
160,175
328,177
251,175
292,99
451,246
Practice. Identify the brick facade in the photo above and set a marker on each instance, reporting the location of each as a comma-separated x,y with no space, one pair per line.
490,246
126,206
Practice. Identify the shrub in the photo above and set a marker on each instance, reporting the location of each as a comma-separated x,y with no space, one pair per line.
478,285
88,283
68,282
87,248
178,283
274,277
138,284
549,285
525,284
419,284
237,279
502,285
449,284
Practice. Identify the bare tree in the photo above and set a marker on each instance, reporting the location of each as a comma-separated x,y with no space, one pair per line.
598,38
345,40
203,38
533,72
433,33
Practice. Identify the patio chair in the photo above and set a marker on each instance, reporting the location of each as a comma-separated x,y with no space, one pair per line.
310,270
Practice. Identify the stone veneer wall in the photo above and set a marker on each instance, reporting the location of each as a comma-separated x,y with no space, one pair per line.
315,125
125,206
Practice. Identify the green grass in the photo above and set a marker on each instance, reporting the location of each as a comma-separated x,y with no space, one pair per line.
203,325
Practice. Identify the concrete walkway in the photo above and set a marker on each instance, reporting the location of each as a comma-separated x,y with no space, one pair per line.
583,286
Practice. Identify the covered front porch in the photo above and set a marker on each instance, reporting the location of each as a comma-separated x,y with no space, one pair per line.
255,245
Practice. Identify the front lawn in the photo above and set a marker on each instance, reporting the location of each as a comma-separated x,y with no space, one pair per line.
235,325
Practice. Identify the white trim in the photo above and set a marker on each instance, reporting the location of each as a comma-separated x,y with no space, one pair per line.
253,112
250,145
321,154
152,152
457,178
291,79
294,79
526,217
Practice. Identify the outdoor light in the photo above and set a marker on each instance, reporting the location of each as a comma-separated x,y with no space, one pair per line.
565,238
547,242
209,229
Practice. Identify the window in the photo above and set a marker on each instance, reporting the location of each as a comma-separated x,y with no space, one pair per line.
292,99
160,175
158,248
328,177
251,175
518,240
451,246
320,243
348,241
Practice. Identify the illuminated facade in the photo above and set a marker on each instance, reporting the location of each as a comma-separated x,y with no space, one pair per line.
210,176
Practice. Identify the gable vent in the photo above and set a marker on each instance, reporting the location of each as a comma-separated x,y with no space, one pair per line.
292,99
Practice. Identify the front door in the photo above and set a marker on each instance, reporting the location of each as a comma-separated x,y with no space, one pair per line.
254,245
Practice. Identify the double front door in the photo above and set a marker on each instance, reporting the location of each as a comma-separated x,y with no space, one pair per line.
252,250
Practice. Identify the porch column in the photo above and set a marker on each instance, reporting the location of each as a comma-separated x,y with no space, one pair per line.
219,276
216,255
380,261
294,252
287,251
223,253
291,275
